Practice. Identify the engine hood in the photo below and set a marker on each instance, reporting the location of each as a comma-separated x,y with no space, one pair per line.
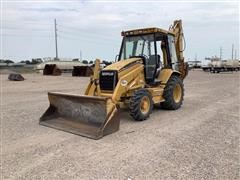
121,64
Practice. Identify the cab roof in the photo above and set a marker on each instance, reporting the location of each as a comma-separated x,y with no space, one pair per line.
145,31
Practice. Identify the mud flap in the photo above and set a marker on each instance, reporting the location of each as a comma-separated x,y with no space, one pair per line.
87,116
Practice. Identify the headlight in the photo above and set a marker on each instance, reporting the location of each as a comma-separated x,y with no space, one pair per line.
124,82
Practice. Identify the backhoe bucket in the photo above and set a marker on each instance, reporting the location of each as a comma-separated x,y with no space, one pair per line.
87,116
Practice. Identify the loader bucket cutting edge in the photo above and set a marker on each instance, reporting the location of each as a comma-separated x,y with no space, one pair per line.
87,116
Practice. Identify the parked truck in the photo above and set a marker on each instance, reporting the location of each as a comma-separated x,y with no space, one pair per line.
216,65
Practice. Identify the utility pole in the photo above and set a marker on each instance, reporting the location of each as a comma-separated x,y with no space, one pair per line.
232,50
80,55
235,54
55,29
220,53
195,57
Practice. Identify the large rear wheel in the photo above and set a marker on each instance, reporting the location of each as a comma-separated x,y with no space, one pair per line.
140,105
173,93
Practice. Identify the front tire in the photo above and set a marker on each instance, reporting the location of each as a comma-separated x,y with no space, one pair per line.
173,93
140,105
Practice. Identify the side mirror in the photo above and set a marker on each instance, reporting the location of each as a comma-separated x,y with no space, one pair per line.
116,57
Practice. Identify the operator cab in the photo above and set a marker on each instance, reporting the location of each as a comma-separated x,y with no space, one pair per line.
155,46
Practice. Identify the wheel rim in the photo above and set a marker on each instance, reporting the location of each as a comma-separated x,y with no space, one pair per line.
177,93
145,105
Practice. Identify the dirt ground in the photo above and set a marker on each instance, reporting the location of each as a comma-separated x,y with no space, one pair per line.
198,141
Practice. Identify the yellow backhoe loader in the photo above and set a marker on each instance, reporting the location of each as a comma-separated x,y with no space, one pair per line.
150,70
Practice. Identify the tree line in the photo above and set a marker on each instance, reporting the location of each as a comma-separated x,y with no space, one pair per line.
39,60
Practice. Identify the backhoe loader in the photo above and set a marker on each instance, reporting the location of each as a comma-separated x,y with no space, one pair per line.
150,70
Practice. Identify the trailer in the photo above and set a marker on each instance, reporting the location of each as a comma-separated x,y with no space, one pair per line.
216,65
224,66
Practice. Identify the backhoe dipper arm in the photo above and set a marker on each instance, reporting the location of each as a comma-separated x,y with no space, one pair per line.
177,29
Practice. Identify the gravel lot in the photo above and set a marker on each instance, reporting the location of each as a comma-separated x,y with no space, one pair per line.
198,141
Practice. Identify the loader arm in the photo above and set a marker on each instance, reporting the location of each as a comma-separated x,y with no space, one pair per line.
93,86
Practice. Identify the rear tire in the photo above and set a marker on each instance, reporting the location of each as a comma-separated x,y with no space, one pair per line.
140,105
173,93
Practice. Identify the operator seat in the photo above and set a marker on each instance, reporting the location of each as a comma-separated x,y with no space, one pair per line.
151,66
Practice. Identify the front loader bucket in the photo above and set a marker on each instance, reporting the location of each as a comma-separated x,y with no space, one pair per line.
87,116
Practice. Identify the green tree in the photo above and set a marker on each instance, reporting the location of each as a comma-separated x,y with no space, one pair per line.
36,61
8,61
84,61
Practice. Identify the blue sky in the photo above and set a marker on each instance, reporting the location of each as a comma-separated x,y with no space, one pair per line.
94,26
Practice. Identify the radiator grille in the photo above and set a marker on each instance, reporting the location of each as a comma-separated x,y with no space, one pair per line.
108,80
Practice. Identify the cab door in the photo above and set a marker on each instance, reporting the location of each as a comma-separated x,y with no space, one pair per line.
151,61
172,52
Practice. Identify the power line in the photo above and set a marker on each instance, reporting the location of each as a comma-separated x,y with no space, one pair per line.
30,23
86,40
23,36
82,31
69,33
22,28
86,35
83,34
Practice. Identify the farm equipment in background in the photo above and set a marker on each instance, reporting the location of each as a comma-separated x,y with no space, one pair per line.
84,71
51,69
